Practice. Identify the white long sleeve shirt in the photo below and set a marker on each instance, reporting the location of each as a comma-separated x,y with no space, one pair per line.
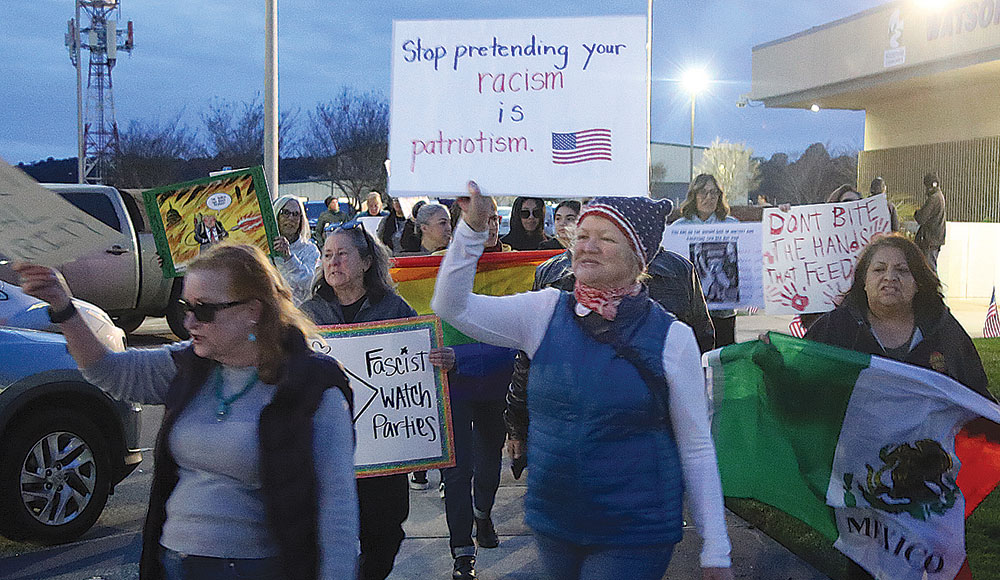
521,320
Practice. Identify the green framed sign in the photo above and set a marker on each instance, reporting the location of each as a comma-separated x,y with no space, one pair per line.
188,218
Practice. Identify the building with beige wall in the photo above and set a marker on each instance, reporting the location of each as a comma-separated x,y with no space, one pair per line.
928,80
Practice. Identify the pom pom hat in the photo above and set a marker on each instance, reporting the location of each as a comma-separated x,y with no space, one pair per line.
641,219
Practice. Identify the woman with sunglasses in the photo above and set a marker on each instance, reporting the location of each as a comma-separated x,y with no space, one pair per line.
527,224
254,461
297,256
356,287
706,204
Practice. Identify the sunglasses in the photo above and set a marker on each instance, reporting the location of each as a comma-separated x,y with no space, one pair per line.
537,212
286,213
206,311
350,227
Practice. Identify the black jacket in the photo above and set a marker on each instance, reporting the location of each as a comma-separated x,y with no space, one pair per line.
931,217
945,347
285,453
673,283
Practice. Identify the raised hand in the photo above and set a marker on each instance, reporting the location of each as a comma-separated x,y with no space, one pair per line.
44,283
476,209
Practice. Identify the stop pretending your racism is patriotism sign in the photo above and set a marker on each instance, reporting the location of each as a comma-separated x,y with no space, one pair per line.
555,107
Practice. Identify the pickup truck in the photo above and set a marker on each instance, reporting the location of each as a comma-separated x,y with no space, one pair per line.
125,278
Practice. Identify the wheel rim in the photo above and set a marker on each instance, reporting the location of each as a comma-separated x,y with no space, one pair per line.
58,478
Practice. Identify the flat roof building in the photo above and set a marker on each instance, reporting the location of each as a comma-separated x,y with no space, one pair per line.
928,80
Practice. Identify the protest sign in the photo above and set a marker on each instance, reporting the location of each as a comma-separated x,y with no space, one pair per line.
553,107
726,257
188,218
402,415
36,225
809,252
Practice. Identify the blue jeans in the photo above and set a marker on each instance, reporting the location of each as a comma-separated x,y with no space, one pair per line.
471,486
567,561
179,566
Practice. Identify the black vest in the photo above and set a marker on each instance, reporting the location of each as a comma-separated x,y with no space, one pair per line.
286,448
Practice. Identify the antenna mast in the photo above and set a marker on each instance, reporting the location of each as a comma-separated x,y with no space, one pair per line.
97,130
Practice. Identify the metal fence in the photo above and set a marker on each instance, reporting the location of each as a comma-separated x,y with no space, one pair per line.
968,171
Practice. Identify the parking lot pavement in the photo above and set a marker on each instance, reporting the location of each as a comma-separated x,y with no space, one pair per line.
425,552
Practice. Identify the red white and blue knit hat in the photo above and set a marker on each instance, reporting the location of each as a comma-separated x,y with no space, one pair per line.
641,219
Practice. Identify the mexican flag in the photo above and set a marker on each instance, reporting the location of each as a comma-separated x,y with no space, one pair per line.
497,274
859,447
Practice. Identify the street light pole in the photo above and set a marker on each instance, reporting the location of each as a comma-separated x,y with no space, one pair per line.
271,96
691,149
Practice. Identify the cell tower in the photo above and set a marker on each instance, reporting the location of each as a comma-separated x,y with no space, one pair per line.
97,130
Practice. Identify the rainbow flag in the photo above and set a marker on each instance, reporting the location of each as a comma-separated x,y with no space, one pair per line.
498,274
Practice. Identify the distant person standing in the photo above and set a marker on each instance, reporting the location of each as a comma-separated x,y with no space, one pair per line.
297,257
371,218
527,224
331,216
931,219
877,188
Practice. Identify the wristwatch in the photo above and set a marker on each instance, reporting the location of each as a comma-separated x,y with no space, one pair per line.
62,315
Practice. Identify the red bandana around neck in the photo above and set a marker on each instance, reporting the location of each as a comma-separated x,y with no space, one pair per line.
603,302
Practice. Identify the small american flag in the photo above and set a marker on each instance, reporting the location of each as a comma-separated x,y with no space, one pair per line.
991,329
751,310
795,327
581,146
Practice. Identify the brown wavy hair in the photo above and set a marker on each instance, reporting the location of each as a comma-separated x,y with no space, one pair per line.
252,277
928,298
689,207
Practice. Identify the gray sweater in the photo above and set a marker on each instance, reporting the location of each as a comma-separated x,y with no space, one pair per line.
217,507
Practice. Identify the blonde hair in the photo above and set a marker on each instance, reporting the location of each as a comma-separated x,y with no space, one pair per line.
252,277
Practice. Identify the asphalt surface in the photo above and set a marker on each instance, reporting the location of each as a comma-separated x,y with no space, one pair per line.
110,550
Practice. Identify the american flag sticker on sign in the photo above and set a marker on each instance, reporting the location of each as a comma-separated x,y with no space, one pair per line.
581,146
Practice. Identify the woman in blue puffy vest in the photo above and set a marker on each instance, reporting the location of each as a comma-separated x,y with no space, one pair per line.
619,424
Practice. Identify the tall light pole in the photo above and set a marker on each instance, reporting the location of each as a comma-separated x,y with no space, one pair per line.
694,81
271,96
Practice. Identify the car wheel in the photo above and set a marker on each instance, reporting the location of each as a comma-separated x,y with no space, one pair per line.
55,476
129,322
174,312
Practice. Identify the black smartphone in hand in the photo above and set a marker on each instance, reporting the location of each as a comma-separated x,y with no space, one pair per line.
518,465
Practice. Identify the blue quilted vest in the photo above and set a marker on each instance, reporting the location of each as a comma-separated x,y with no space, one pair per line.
605,469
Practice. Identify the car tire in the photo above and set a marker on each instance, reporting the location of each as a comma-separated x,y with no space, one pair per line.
129,322
174,312
55,477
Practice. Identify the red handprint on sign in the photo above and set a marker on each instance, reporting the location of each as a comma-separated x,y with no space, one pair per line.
790,297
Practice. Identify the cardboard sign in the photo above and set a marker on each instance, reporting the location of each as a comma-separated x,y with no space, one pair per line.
188,218
553,107
402,414
36,225
810,251
726,257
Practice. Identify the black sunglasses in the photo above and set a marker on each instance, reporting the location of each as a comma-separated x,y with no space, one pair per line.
350,227
286,213
206,311
537,212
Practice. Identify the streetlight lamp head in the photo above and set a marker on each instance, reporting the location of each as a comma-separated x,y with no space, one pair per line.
814,108
695,80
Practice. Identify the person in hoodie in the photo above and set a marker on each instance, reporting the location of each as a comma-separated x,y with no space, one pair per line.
297,256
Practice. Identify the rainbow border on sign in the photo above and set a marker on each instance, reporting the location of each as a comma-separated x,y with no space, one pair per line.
432,323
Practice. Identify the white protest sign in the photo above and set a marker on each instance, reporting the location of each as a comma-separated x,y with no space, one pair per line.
36,225
810,252
402,416
726,257
554,107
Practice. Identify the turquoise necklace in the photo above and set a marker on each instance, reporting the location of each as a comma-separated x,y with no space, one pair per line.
222,409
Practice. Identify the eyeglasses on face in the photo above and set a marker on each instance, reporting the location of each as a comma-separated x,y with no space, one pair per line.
537,212
206,311
287,213
494,219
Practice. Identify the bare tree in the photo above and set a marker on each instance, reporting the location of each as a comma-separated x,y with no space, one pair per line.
151,153
734,167
236,131
349,138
